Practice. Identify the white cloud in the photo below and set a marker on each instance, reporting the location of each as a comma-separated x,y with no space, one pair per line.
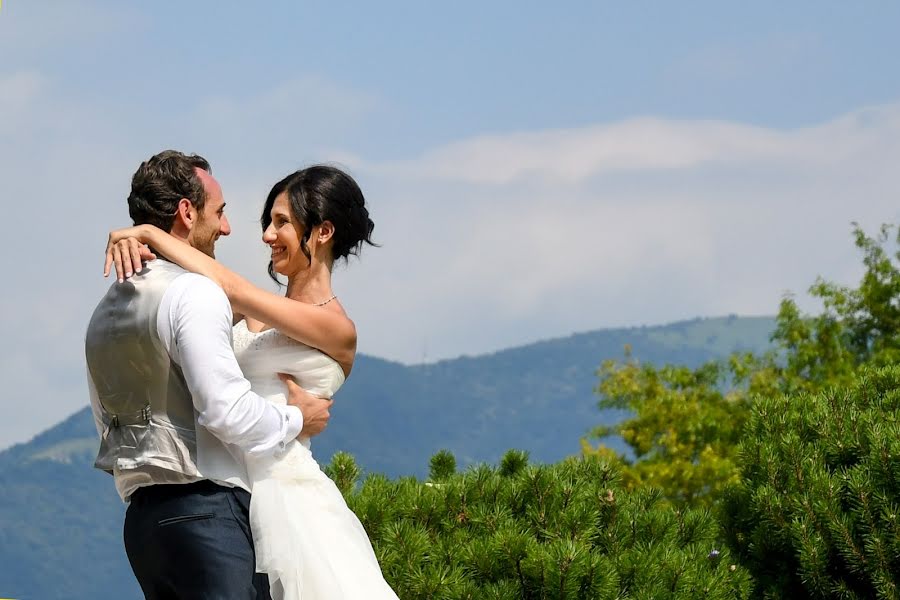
487,242
498,240
501,240
645,144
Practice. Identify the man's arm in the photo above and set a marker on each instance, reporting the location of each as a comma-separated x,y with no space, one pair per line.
195,325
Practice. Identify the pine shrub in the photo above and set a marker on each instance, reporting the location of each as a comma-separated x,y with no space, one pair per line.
529,532
817,514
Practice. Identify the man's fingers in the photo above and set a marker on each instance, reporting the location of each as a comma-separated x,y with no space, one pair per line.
287,380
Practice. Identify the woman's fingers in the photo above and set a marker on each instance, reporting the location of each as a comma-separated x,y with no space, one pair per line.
134,248
117,261
146,253
127,255
110,255
108,262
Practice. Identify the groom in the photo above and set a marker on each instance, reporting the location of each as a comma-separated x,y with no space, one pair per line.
173,410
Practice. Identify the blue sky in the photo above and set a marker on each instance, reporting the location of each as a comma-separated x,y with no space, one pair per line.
532,171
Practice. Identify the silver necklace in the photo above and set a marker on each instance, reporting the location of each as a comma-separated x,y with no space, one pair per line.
324,302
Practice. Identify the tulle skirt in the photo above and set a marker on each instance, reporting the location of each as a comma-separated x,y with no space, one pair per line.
311,545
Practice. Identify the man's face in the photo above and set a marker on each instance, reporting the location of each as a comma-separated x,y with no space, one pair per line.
211,221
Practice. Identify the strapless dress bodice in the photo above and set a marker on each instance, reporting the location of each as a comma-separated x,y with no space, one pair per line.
262,355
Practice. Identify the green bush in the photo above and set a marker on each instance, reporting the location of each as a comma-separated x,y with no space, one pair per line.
524,531
817,514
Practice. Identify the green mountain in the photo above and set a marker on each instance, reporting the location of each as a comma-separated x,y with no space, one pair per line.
61,520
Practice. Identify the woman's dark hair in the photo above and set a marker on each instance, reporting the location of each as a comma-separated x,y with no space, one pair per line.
160,182
323,193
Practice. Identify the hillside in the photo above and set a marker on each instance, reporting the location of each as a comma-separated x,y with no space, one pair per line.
61,521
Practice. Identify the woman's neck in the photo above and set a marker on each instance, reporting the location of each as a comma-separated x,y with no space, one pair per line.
311,286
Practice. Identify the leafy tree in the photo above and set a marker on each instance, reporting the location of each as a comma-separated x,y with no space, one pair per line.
682,430
685,423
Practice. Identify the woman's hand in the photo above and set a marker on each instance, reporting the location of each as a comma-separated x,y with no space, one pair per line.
127,250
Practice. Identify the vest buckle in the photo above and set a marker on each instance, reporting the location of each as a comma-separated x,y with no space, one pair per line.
142,417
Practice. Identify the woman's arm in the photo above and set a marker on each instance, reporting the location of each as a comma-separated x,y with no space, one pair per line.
328,330
323,328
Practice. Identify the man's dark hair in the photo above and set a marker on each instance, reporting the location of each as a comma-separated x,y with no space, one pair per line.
160,182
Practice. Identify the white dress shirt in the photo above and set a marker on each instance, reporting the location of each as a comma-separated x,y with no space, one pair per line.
194,325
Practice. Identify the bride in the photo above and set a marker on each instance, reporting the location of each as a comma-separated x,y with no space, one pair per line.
307,540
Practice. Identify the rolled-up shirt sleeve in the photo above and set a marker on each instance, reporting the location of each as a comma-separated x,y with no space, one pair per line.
194,324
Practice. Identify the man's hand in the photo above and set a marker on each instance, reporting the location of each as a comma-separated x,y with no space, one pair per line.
315,410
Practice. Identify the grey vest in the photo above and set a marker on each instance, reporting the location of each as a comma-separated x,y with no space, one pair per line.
145,404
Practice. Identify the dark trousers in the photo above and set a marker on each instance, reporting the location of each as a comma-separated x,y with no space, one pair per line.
193,542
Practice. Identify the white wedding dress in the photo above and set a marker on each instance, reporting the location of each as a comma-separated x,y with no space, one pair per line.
307,540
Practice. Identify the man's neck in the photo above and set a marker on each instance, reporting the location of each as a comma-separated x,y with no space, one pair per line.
178,235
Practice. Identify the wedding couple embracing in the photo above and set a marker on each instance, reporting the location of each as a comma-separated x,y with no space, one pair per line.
205,388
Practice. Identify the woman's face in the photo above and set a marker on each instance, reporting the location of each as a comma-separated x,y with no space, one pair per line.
283,237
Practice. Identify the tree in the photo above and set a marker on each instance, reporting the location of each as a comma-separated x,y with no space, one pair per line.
682,430
816,513
686,423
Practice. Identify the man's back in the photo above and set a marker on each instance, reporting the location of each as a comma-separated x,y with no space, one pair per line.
140,396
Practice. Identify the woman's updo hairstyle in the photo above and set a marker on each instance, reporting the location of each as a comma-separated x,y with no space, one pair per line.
323,193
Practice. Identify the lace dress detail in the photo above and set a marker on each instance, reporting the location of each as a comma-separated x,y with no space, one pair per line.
307,540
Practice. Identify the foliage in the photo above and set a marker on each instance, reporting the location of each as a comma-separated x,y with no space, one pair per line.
523,531
682,429
817,514
685,423
858,326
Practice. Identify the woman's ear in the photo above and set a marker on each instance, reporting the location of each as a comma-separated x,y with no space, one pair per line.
325,232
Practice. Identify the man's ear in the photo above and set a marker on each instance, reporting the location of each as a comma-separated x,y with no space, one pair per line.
185,215
326,232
